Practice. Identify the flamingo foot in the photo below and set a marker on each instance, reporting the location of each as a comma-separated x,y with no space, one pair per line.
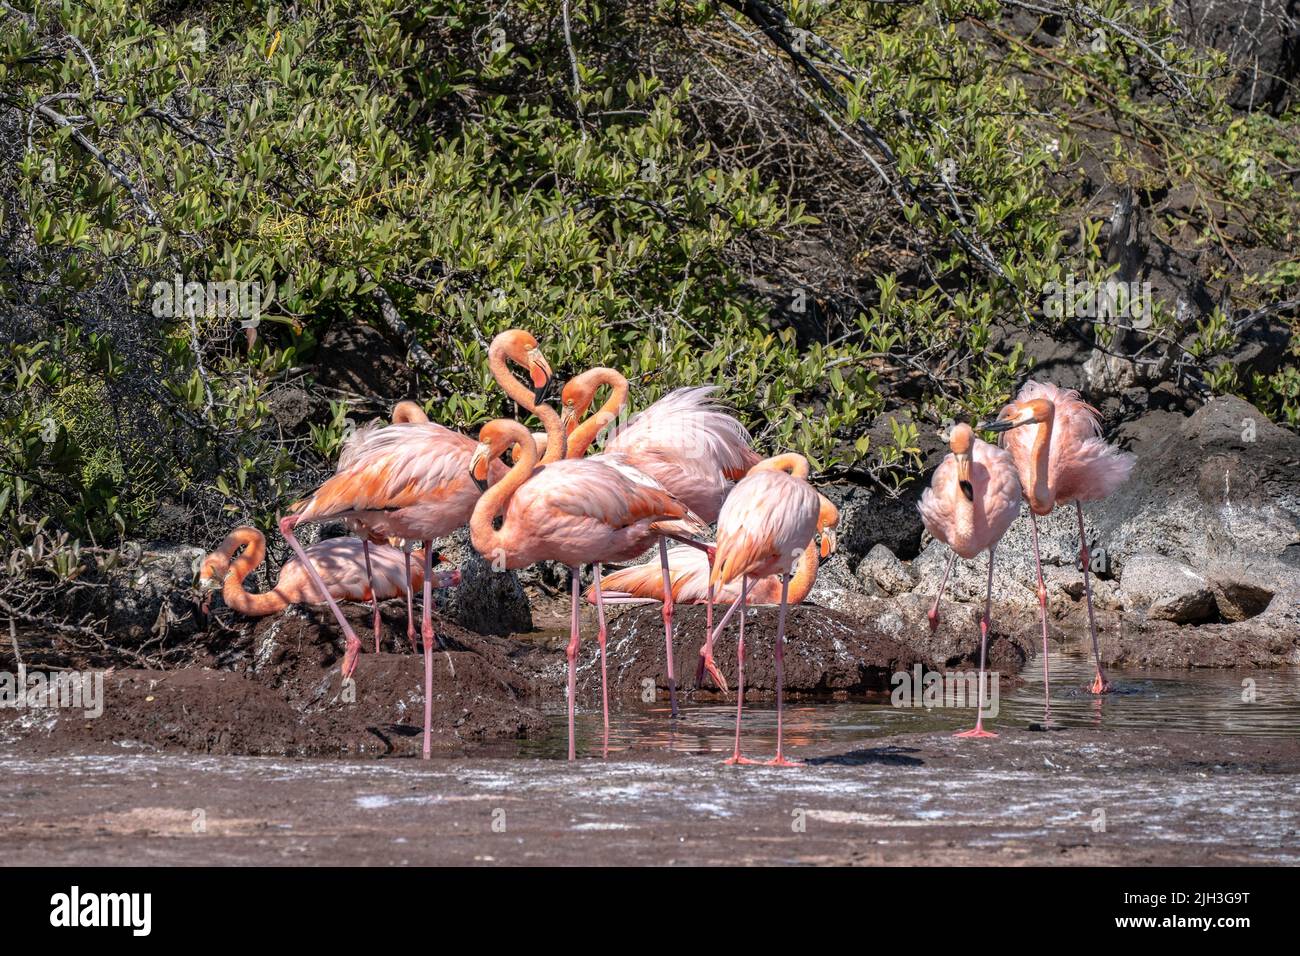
1100,685
350,659
933,615
977,732
737,760
708,664
782,762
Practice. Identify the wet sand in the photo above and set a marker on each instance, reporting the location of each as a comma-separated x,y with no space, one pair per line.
1069,797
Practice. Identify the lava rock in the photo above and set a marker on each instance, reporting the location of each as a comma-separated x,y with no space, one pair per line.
883,570
1169,590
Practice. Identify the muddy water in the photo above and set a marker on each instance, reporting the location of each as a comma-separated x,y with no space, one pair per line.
1182,701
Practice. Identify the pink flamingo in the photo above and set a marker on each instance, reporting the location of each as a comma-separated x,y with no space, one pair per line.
686,442
574,511
404,412
766,522
1055,439
411,481
971,502
338,562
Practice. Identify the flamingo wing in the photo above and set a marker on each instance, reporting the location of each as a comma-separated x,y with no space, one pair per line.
766,521
688,424
394,467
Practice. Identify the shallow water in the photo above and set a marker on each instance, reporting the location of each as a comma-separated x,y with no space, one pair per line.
1182,701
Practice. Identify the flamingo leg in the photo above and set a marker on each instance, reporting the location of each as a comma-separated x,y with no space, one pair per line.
1099,684
668,625
934,610
572,653
604,677
410,607
426,627
287,524
706,652
735,757
979,730
1042,614
370,577
779,760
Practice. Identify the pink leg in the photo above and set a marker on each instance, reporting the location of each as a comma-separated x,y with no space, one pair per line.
1099,684
934,611
410,607
426,628
706,652
735,757
668,625
979,730
1042,614
604,676
287,524
779,760
370,576
572,653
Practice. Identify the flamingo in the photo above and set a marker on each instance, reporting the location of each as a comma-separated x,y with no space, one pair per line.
410,481
1061,458
686,442
971,502
338,561
404,412
766,521
575,511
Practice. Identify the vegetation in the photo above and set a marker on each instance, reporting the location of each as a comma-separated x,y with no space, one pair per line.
836,210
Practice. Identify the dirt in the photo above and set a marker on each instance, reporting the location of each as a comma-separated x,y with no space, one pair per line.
285,696
1081,797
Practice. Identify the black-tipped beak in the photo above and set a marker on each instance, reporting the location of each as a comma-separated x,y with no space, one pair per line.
540,392
479,483
967,489
997,425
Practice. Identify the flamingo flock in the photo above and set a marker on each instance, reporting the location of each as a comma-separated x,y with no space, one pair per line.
675,469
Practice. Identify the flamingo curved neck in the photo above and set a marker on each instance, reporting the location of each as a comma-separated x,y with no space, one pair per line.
582,437
1042,499
405,412
232,591
791,463
489,541
519,393
556,440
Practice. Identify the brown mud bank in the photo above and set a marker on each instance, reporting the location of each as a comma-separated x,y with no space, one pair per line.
1085,797
275,689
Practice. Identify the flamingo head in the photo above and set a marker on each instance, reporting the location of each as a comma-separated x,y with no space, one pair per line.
828,520
961,442
493,439
521,348
1034,411
579,392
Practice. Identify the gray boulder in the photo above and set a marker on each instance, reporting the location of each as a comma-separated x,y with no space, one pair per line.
1167,589
881,569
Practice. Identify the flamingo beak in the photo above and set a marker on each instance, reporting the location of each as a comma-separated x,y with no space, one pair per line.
478,463
567,415
828,542
999,425
963,475
539,370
